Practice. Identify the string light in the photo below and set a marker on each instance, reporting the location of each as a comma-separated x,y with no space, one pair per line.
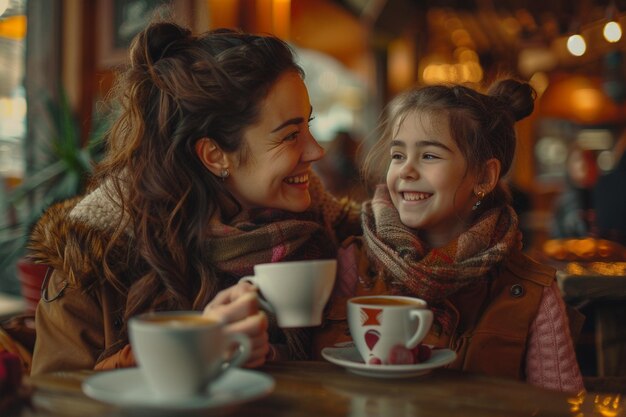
612,31
576,45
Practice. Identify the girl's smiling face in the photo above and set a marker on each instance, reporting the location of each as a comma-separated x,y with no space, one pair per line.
279,151
428,179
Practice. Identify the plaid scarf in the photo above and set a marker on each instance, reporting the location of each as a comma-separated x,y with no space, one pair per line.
435,274
267,236
270,235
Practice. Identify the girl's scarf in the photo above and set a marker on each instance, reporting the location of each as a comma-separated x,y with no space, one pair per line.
434,274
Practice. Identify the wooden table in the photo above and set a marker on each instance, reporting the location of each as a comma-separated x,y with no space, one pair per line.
580,281
321,389
603,285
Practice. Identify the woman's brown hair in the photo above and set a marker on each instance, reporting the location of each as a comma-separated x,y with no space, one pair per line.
178,89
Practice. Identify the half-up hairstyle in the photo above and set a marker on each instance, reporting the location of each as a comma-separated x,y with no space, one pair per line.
482,125
178,89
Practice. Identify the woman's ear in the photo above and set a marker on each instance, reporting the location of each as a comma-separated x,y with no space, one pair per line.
212,156
490,176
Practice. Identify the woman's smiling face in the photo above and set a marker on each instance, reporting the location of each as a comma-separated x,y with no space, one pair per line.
428,179
279,151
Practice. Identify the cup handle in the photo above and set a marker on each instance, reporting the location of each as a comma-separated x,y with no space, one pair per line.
241,354
425,317
266,306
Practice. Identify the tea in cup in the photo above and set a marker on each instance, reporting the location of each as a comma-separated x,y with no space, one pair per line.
295,291
386,329
181,353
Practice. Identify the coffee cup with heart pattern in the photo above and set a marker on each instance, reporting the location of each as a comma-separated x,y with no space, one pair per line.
389,329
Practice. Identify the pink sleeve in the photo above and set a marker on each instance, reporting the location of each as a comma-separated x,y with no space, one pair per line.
551,358
347,272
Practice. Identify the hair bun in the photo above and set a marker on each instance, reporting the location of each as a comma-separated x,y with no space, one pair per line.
519,96
153,43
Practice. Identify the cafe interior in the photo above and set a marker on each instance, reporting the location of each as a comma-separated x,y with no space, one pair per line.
59,60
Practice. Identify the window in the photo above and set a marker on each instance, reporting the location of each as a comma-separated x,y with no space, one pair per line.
12,123
12,94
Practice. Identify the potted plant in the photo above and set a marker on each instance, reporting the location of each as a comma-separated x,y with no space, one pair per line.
62,174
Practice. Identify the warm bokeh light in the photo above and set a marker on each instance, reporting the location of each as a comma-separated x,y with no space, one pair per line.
540,82
400,65
601,405
580,99
466,55
13,27
608,405
612,32
460,37
576,45
587,102
464,72
467,69
281,16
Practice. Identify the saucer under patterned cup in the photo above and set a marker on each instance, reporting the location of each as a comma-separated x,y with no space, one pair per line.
347,356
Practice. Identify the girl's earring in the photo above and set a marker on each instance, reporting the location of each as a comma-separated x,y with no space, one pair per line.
480,195
224,173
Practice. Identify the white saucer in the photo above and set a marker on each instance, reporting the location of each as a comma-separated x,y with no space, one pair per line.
126,388
350,358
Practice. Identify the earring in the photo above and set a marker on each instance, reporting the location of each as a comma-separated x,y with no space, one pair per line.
480,195
224,173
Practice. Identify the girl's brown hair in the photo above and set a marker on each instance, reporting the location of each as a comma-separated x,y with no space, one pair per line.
482,125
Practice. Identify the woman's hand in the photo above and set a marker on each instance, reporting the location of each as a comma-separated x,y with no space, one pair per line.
238,307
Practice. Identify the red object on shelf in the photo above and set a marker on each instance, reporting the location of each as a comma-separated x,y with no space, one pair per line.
31,277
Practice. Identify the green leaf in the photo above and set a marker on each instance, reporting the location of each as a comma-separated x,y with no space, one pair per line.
59,176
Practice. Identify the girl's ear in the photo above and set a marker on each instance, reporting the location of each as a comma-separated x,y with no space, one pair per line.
212,156
490,176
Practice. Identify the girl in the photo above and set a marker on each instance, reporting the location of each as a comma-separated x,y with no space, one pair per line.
442,229
208,172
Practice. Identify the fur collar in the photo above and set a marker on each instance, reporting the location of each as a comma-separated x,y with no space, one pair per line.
71,236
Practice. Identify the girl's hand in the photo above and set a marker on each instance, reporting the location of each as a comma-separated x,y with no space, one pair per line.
238,307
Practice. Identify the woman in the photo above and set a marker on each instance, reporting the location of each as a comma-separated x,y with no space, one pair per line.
208,172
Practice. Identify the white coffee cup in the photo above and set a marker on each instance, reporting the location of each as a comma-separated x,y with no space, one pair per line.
380,323
296,291
180,353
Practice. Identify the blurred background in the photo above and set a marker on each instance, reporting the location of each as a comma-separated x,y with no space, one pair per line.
58,60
